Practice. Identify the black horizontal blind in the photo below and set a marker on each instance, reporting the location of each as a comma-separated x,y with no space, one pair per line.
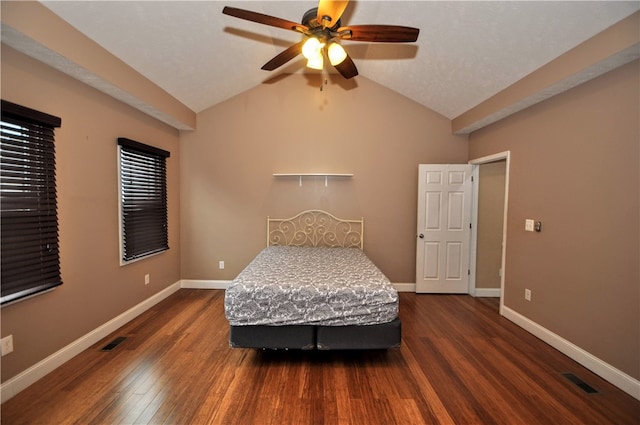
30,260
143,192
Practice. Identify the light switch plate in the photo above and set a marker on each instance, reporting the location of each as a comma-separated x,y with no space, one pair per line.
528,225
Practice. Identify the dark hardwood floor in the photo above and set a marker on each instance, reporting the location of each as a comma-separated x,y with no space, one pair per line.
460,363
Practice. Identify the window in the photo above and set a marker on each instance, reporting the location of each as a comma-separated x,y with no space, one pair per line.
30,259
143,200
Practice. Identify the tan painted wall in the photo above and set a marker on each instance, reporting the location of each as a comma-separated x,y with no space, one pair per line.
575,166
291,126
490,221
95,287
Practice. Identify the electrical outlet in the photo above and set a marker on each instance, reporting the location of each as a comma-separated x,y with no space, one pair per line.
146,279
221,265
527,294
6,345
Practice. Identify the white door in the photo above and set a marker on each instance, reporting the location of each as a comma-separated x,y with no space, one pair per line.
444,228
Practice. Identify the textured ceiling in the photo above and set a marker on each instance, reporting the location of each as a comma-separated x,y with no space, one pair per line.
466,51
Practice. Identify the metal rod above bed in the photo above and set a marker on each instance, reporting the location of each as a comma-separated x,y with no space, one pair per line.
315,228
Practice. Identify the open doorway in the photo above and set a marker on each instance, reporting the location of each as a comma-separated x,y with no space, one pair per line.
489,224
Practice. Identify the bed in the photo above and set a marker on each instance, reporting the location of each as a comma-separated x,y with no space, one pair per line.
311,288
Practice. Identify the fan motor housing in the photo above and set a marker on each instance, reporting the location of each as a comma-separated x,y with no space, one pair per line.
310,19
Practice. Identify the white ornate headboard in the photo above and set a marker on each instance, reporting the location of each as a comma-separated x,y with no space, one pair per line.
315,228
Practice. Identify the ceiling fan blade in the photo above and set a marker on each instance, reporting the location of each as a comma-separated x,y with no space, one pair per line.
379,33
283,57
329,11
264,19
347,68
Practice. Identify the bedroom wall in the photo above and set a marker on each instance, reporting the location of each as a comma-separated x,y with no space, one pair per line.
290,125
575,167
95,287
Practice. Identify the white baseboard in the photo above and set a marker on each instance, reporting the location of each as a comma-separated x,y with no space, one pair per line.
204,284
488,292
13,386
405,287
479,292
626,383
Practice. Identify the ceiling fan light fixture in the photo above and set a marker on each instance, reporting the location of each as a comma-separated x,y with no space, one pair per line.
321,26
312,48
336,54
316,62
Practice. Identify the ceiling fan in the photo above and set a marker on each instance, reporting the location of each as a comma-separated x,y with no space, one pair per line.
322,29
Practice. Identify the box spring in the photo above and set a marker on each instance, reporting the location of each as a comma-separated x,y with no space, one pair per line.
368,337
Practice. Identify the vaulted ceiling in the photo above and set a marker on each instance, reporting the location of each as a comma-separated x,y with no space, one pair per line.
467,51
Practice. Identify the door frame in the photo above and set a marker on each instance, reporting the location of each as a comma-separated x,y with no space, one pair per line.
506,155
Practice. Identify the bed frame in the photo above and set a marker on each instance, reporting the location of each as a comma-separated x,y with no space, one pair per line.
317,228
314,228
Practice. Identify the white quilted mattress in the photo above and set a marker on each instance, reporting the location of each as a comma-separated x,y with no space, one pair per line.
310,286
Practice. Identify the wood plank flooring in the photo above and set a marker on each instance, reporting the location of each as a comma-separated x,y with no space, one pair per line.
459,363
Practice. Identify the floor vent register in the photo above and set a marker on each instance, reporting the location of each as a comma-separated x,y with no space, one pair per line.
113,344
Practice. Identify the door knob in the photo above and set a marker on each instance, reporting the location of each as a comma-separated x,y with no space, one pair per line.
421,236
